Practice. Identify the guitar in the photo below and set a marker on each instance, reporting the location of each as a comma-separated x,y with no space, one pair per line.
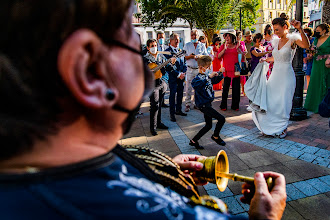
155,69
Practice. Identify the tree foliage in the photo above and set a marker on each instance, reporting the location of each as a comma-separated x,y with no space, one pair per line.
208,15
248,12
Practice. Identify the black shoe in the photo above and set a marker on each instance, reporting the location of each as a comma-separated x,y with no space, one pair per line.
173,118
196,145
181,113
165,106
218,140
162,126
153,132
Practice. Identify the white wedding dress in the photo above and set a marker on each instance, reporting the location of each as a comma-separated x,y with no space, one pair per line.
272,99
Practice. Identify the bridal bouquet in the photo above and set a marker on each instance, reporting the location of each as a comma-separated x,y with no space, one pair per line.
323,57
312,50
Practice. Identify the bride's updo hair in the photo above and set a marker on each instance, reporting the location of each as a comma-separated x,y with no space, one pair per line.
282,20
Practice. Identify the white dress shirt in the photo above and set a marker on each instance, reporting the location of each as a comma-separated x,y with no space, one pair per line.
199,50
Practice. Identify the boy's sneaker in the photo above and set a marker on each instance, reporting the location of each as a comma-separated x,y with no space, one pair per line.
218,140
195,144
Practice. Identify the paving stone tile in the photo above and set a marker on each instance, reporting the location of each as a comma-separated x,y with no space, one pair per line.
322,146
282,149
217,193
323,153
257,158
287,143
310,150
291,214
236,187
238,147
315,207
325,179
306,170
246,207
201,190
210,186
306,188
255,129
298,146
307,157
272,146
191,151
319,185
327,194
290,176
261,143
243,215
233,206
321,161
276,140
238,136
294,153
288,198
293,192
236,164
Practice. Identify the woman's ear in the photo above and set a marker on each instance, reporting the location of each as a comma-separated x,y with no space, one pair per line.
81,64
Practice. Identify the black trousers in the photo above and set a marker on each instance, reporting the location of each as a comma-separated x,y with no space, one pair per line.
156,99
236,92
176,94
210,113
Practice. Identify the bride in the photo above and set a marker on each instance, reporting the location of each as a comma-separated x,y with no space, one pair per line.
271,100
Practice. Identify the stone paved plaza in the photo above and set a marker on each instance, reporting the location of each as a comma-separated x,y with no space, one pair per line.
303,156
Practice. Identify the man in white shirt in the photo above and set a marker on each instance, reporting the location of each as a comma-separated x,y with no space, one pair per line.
193,50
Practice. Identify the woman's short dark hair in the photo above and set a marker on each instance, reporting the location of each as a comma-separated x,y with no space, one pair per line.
216,39
30,85
324,26
268,30
150,41
309,30
257,36
232,37
282,20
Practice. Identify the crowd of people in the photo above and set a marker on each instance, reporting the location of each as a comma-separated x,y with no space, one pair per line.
68,100
71,100
270,111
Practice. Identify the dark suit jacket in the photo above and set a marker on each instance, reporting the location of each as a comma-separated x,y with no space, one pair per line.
179,67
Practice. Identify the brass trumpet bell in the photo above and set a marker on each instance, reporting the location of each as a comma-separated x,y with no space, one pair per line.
212,166
216,170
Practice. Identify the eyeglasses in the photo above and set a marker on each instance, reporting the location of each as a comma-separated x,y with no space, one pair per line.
148,79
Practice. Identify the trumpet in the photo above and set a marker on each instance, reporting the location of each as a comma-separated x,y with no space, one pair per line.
216,170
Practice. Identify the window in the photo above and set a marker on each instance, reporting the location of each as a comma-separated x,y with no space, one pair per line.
278,1
271,15
149,35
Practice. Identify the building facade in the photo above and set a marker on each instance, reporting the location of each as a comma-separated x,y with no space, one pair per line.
315,12
271,9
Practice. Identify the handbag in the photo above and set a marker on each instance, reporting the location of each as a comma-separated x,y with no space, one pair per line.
241,68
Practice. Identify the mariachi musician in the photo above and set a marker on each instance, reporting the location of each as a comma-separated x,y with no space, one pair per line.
155,60
176,78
